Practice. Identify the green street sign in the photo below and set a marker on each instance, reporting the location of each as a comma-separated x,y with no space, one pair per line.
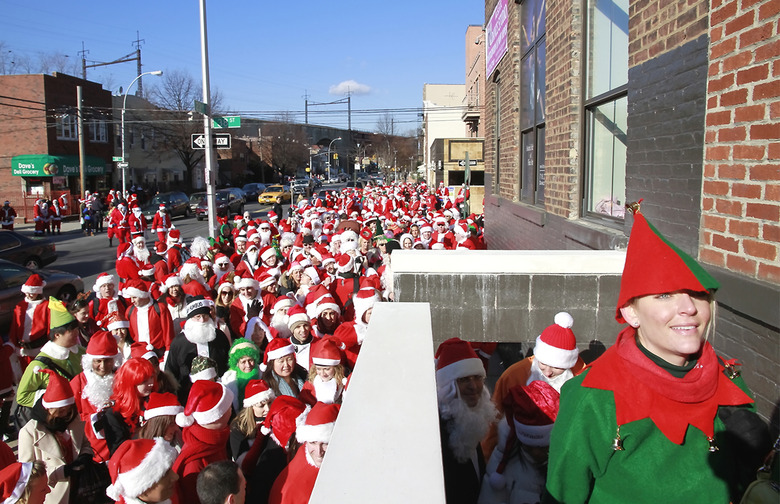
203,108
117,159
219,122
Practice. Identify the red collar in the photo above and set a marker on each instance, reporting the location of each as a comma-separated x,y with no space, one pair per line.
644,390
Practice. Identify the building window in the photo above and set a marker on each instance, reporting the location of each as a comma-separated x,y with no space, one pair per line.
606,107
97,132
67,127
497,115
532,100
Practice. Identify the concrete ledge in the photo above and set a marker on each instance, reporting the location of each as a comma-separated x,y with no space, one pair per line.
386,445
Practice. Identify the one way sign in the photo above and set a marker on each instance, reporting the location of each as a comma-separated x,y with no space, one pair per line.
218,141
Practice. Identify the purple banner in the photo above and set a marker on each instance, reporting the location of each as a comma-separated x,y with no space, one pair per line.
496,36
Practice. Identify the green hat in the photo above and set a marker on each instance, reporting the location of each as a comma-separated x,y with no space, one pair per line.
59,315
240,348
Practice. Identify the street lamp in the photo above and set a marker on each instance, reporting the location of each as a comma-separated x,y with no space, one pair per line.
124,104
329,146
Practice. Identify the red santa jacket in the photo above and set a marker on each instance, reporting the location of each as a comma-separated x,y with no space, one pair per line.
126,270
99,308
38,324
174,258
296,481
161,222
159,322
117,219
342,290
238,318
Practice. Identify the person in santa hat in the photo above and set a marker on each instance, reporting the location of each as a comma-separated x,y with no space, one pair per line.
280,370
465,414
347,283
249,262
175,300
353,333
442,234
199,336
206,433
269,291
327,316
29,327
119,327
7,216
157,258
150,320
278,326
555,361
302,338
290,281
161,223
106,299
244,427
60,353
141,472
517,469
248,304
240,242
273,447
137,221
222,266
24,483
118,226
326,374
79,308
243,367
226,293
92,388
192,281
56,217
653,403
296,481
173,255
159,419
55,435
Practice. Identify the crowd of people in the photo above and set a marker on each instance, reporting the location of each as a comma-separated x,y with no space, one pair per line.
214,372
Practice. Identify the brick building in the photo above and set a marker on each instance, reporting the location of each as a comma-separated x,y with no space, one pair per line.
592,104
39,148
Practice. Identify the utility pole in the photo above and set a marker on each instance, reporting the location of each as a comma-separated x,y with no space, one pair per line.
83,53
81,139
210,172
137,43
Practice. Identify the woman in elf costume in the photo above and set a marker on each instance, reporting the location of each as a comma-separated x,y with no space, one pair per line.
641,425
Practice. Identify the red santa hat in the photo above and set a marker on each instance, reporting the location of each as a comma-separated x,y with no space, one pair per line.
221,259
122,249
117,320
58,392
170,281
225,285
283,302
530,412
557,346
277,348
318,424
142,350
137,465
265,279
138,237
103,279
257,391
208,401
325,352
102,345
297,315
160,247
162,403
327,259
312,273
281,419
252,235
34,284
174,235
146,270
272,215
247,282
364,299
456,359
654,265
136,288
326,303
345,263
13,481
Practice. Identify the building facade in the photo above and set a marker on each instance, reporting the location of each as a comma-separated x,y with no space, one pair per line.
593,104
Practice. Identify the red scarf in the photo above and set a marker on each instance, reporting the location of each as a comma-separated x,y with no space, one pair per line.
203,443
643,390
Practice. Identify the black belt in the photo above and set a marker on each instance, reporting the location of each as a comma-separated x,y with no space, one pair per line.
38,343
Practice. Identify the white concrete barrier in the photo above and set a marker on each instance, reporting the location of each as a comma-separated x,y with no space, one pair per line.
386,445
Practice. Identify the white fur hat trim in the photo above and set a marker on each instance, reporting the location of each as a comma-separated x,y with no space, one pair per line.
206,374
315,433
248,282
103,280
459,369
325,362
533,435
29,289
281,352
142,477
118,324
258,398
163,410
133,292
554,356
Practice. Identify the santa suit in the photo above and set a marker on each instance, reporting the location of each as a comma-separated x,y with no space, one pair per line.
296,481
468,243
99,308
195,288
161,223
183,352
137,222
118,225
7,217
342,290
126,269
174,258
446,238
351,334
201,447
29,329
244,269
238,317
40,219
149,326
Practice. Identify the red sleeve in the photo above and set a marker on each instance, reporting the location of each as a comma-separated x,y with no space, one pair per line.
237,317
307,394
167,325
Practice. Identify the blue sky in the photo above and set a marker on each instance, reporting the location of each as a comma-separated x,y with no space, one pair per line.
265,56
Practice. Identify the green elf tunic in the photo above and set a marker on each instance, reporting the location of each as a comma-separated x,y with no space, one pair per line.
667,427
32,384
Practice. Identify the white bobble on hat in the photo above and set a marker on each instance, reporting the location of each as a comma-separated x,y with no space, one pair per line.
564,320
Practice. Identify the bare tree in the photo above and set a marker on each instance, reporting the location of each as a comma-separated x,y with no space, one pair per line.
289,145
56,62
176,95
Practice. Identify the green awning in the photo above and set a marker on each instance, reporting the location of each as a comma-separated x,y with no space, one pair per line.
47,165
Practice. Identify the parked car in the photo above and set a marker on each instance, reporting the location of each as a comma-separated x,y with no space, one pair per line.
230,202
271,192
62,285
317,182
33,253
195,199
343,177
302,185
357,184
253,190
177,203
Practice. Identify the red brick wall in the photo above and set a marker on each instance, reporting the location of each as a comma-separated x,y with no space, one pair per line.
658,26
741,188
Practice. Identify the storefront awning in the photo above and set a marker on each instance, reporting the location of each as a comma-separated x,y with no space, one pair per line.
47,165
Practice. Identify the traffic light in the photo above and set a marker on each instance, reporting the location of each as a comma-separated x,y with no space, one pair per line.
335,155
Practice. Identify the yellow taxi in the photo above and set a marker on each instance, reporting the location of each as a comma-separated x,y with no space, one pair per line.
271,192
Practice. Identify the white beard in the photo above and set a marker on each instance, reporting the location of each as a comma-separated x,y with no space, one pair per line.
265,237
98,389
326,392
200,333
251,257
467,426
279,322
555,382
221,273
142,254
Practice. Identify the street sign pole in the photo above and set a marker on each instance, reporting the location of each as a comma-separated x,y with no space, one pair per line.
210,174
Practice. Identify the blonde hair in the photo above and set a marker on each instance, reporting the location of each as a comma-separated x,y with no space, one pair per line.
246,422
37,471
339,376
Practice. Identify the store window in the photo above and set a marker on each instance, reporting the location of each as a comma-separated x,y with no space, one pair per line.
67,127
606,108
97,132
532,100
